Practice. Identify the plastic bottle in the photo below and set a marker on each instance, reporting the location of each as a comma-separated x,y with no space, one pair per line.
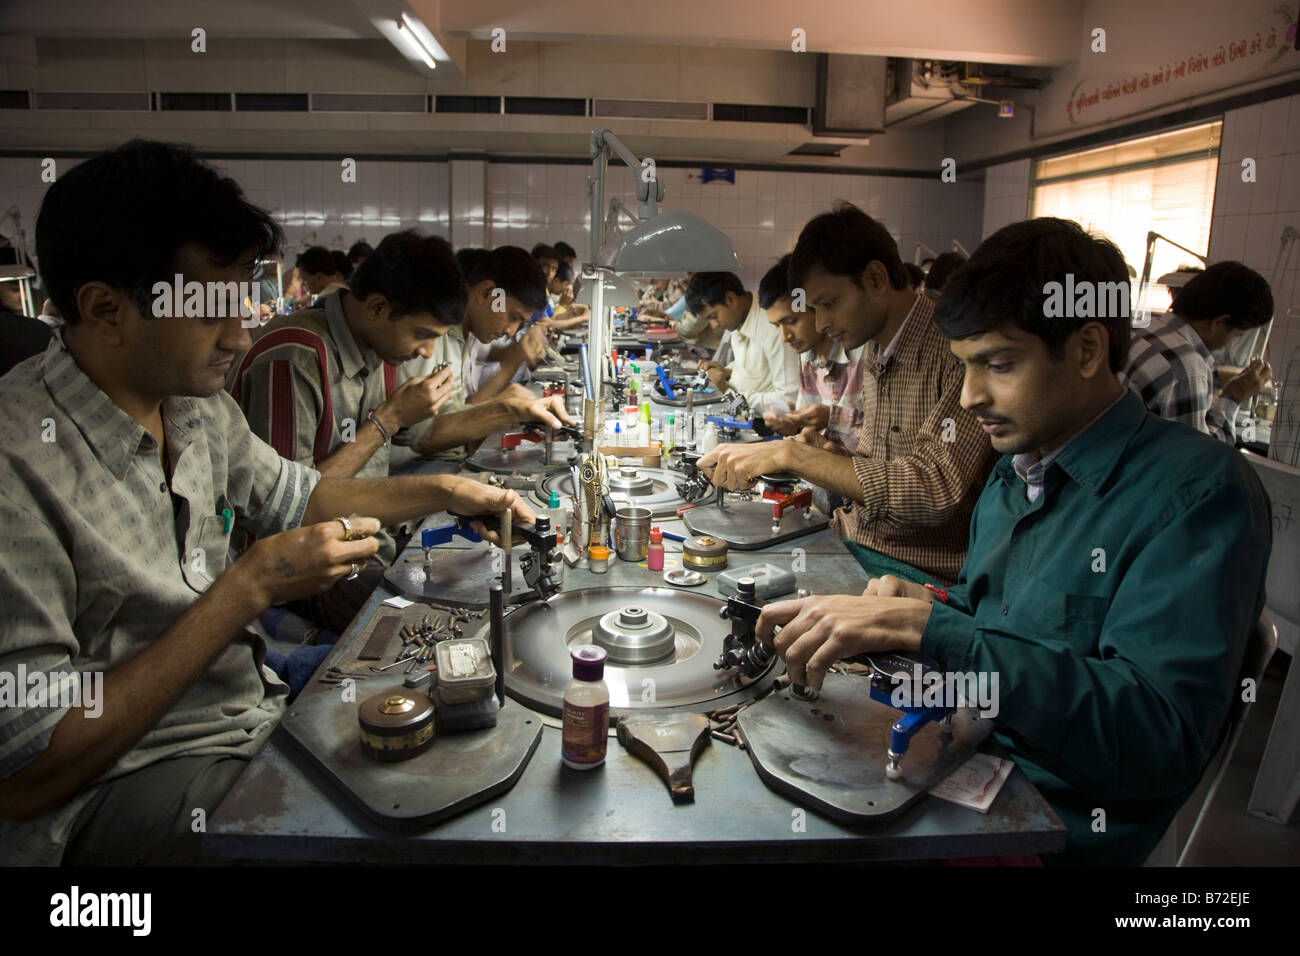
655,553
618,433
708,438
586,710
670,435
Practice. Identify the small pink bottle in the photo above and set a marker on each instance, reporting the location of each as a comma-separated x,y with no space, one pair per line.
655,553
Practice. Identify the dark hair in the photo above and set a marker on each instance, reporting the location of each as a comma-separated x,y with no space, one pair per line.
359,250
942,270
1226,288
468,257
915,275
565,250
415,274
342,265
543,251
775,284
121,216
565,272
842,242
710,288
513,269
317,260
1005,283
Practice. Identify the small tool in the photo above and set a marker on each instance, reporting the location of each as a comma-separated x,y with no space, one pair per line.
895,672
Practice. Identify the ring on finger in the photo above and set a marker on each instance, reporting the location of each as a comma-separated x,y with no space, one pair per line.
356,569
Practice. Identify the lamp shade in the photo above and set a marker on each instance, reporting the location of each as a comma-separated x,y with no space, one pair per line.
670,244
619,292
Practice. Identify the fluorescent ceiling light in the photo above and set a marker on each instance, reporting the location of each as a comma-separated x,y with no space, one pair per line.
424,37
414,45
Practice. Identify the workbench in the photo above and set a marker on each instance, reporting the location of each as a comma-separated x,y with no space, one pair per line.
285,808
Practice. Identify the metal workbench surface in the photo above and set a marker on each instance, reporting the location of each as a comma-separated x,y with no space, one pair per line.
284,807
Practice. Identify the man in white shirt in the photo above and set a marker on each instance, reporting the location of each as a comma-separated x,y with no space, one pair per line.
761,367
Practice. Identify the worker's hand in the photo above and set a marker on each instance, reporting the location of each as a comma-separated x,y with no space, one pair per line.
735,467
470,497
815,438
719,375
416,400
549,411
303,562
817,631
1248,381
780,423
531,347
889,586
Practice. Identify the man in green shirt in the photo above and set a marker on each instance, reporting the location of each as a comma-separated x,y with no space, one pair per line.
1116,563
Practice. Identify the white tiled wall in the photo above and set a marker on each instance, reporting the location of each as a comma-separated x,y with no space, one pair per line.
476,203
1006,196
1249,217
308,197
762,212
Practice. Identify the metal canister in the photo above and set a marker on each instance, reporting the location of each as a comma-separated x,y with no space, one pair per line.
396,725
632,533
704,553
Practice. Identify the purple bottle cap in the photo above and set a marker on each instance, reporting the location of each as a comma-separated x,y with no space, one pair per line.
588,662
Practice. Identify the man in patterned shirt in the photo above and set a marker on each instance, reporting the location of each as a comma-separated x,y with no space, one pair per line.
922,459
1169,362
131,694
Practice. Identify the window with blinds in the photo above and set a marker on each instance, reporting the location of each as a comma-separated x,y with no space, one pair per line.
1162,183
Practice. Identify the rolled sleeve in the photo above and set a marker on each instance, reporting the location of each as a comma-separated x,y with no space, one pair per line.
38,594
283,404
269,493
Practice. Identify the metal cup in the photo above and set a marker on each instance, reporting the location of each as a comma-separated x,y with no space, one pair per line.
632,533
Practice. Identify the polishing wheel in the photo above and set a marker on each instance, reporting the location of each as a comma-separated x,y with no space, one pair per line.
396,725
662,644
704,553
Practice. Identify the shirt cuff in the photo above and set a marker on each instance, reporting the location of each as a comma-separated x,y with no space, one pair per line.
948,636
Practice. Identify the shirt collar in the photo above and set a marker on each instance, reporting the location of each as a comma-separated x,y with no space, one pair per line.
351,359
1092,454
836,356
113,435
750,328
908,334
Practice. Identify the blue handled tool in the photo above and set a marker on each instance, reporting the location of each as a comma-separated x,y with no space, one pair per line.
900,681
666,382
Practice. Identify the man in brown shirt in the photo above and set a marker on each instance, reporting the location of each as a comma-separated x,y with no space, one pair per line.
922,460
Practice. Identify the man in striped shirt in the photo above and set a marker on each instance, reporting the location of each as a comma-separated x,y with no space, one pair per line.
321,385
1169,362
921,460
